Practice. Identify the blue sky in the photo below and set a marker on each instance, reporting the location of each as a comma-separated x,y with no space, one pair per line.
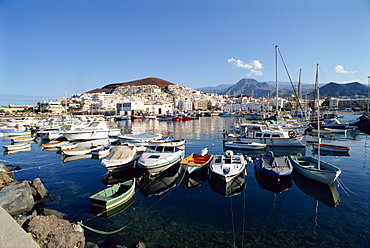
54,48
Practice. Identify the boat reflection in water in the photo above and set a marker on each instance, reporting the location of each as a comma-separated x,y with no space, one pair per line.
230,188
328,153
158,184
113,211
195,179
275,184
327,194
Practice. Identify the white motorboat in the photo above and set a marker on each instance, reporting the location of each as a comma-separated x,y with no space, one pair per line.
159,158
228,165
260,133
121,157
167,142
244,145
95,130
138,139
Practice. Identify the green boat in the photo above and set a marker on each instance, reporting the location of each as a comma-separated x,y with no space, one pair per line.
114,196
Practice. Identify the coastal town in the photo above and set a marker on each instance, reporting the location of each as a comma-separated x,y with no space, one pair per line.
150,98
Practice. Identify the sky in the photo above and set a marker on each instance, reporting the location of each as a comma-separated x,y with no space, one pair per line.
51,49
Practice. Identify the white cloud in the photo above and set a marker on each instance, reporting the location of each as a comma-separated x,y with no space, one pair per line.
340,69
255,66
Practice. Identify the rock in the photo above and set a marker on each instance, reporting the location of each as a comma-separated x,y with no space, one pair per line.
48,212
6,169
17,198
21,219
5,179
50,231
139,244
89,244
41,191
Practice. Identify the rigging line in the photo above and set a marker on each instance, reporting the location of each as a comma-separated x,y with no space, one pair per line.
133,220
291,82
232,220
243,229
341,185
341,182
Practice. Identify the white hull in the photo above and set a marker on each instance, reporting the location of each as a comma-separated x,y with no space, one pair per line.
85,135
156,162
228,166
17,147
289,142
242,145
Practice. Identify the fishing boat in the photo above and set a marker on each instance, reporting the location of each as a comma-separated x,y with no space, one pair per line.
196,162
66,145
331,148
121,157
244,145
159,158
228,165
114,196
80,150
101,151
20,146
312,167
277,166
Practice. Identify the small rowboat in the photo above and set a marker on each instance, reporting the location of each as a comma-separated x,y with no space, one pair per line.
331,148
20,146
12,134
22,139
53,144
244,145
114,196
196,162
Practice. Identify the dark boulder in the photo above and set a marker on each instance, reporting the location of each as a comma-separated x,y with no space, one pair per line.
17,198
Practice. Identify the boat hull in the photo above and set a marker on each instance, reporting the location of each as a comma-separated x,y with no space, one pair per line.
307,166
113,196
289,142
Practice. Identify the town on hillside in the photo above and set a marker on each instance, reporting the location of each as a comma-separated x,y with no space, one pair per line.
159,97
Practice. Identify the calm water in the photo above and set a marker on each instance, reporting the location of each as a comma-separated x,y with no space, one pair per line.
203,216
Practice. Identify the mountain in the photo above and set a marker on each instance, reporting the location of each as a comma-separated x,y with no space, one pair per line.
338,90
215,89
109,88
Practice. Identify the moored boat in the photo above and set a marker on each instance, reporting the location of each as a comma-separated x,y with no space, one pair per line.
101,151
159,158
316,169
277,166
20,146
114,196
22,139
195,162
244,145
331,148
121,157
228,165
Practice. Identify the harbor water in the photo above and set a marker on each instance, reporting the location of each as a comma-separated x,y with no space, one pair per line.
172,210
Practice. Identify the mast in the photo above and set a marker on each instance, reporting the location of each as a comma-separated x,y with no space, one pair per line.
318,113
299,91
276,80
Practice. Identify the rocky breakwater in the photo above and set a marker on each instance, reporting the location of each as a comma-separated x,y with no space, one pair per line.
47,227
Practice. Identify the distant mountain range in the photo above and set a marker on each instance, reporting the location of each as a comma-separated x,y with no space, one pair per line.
252,87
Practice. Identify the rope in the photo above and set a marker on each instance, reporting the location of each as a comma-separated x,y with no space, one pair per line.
133,220
243,229
232,219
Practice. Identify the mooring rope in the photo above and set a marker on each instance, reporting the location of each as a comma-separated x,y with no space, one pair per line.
232,220
133,220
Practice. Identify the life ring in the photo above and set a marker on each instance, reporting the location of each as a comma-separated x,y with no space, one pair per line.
291,134
229,153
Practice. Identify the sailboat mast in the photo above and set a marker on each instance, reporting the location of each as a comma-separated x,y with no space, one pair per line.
276,80
318,113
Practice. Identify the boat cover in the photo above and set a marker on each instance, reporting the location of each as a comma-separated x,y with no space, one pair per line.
121,152
279,165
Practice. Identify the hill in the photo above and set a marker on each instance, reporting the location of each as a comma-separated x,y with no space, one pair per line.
109,88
